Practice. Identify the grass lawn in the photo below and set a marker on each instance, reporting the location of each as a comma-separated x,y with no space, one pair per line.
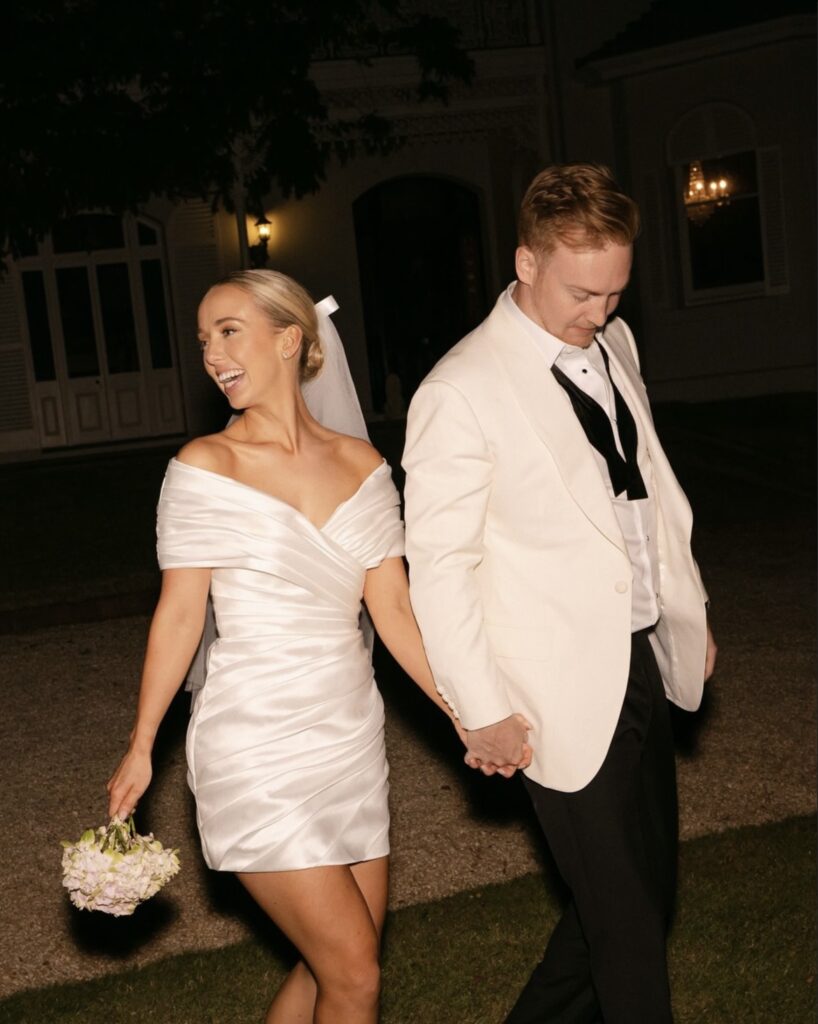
742,950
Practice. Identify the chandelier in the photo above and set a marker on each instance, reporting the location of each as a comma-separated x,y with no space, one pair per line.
702,197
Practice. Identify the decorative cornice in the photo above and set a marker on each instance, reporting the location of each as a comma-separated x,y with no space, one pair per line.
399,101
519,123
509,107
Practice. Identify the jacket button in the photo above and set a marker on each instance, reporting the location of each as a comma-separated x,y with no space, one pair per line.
621,587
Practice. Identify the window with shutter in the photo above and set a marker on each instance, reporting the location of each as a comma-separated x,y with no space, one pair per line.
729,204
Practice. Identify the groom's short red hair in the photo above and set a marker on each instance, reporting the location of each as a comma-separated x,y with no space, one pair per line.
580,205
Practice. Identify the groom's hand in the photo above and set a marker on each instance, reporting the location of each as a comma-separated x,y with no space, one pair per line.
710,656
501,747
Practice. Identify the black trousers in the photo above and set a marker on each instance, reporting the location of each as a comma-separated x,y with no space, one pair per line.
615,844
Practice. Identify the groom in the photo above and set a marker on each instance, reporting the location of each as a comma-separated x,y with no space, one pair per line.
551,575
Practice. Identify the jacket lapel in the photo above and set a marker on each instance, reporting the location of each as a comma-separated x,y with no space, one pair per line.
629,381
548,409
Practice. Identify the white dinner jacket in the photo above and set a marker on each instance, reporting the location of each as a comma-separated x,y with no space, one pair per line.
520,579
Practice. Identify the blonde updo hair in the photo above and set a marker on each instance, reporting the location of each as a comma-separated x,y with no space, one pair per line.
284,302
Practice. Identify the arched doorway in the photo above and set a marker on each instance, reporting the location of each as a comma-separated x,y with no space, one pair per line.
422,275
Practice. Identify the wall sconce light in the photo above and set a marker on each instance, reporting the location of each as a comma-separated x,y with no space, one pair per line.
263,226
259,252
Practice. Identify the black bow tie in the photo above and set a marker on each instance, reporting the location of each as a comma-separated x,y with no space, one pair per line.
624,473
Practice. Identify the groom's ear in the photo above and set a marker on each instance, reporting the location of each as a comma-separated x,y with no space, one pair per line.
525,264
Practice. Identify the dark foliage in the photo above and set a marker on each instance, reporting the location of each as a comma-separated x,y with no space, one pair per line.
103,104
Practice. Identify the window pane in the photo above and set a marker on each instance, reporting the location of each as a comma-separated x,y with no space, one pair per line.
739,170
87,232
77,322
39,333
726,246
146,234
117,318
727,249
156,309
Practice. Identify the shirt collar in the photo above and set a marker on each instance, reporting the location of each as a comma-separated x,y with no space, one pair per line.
550,346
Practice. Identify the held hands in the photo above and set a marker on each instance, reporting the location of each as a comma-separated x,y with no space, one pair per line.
502,747
128,783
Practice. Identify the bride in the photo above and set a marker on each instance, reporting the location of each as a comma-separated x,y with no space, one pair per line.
287,524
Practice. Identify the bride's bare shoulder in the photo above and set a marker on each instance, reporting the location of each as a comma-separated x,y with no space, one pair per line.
208,452
360,455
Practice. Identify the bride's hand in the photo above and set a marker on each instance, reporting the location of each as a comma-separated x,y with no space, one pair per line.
471,761
488,768
128,783
461,732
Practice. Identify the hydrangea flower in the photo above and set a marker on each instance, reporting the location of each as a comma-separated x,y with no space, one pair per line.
113,869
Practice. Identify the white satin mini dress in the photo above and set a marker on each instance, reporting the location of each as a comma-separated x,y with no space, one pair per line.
285,747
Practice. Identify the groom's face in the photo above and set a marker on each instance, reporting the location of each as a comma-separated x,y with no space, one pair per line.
571,292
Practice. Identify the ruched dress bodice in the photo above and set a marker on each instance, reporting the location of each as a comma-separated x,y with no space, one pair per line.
285,746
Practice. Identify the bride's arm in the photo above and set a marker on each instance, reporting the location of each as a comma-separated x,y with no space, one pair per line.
175,631
386,593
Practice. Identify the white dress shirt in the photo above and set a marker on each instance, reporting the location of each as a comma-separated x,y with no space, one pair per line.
585,367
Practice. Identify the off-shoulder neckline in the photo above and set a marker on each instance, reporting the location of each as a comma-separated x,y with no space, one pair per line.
280,501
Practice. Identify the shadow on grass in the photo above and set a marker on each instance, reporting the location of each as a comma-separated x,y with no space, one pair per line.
105,936
741,950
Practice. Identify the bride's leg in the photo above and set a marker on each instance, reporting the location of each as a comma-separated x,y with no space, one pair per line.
372,878
294,1003
326,913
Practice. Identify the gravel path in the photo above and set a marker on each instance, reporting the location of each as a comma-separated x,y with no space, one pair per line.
747,757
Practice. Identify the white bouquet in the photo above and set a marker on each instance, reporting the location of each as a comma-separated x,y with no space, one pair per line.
113,869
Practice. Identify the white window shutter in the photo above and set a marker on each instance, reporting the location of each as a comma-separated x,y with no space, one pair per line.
17,428
773,219
15,398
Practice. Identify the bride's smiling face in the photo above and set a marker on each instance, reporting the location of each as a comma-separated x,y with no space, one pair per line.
243,352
